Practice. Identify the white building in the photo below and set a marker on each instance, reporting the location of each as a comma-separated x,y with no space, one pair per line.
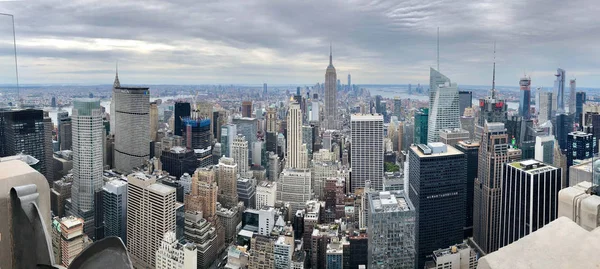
227,177
174,255
266,220
294,187
460,256
266,194
443,105
294,138
150,214
366,150
283,251
544,148
114,206
239,153
87,159
545,104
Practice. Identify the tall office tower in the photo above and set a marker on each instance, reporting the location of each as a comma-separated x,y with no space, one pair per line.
271,137
172,254
48,147
197,134
228,134
330,96
132,136
366,151
239,153
314,109
72,239
87,160
494,152
562,127
153,121
181,110
264,88
471,150
249,128
247,109
113,114
150,214
398,107
443,107
378,108
544,148
421,126
559,92
580,146
529,198
203,194
391,213
492,109
437,180
545,104
294,138
580,99
294,187
24,131
349,82
65,131
178,161
114,207
227,176
465,100
273,167
572,101
525,102
204,235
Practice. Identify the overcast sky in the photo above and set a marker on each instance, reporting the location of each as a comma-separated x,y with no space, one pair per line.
287,42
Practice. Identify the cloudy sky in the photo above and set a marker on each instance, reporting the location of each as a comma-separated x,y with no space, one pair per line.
287,42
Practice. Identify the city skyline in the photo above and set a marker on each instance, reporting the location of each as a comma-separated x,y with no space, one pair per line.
215,43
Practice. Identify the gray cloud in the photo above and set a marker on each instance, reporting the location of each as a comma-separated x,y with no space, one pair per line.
200,42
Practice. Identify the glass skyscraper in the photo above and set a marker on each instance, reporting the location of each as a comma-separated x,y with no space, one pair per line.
443,105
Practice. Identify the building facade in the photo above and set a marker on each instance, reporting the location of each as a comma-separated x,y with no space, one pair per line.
367,151
132,135
443,105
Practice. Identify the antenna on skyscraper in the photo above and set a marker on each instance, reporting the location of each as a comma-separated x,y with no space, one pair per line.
494,74
438,49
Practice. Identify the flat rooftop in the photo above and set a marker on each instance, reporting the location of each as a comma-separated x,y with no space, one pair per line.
450,151
366,117
161,188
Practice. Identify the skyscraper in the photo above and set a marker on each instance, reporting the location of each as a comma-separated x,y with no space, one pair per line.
294,138
366,151
494,152
421,128
525,102
228,134
265,88
239,153
559,91
114,199
437,179
529,198
294,187
153,121
572,99
227,177
271,137
330,95
544,148
150,214
182,110
563,125
247,109
87,160
545,104
391,213
580,99
580,146
132,135
471,150
465,100
443,105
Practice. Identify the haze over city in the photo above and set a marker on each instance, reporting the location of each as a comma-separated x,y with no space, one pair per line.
287,42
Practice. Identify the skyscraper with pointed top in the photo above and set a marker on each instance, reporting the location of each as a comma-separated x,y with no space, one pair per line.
116,84
330,95
492,108
443,105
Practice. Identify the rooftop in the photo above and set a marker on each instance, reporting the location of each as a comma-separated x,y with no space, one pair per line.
532,166
386,201
450,150
366,117
161,188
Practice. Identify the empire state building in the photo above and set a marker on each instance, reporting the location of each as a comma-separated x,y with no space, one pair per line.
331,121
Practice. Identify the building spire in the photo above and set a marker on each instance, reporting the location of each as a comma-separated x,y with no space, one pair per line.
330,55
494,74
117,83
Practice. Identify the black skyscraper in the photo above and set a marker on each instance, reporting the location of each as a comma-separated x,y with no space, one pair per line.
437,188
563,126
182,110
579,101
471,150
465,99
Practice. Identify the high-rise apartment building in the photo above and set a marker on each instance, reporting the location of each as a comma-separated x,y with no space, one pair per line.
494,152
227,176
172,254
437,179
529,198
367,151
421,128
114,208
391,232
87,160
525,102
331,118
294,138
294,187
443,105
239,153
132,135
150,214
572,101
